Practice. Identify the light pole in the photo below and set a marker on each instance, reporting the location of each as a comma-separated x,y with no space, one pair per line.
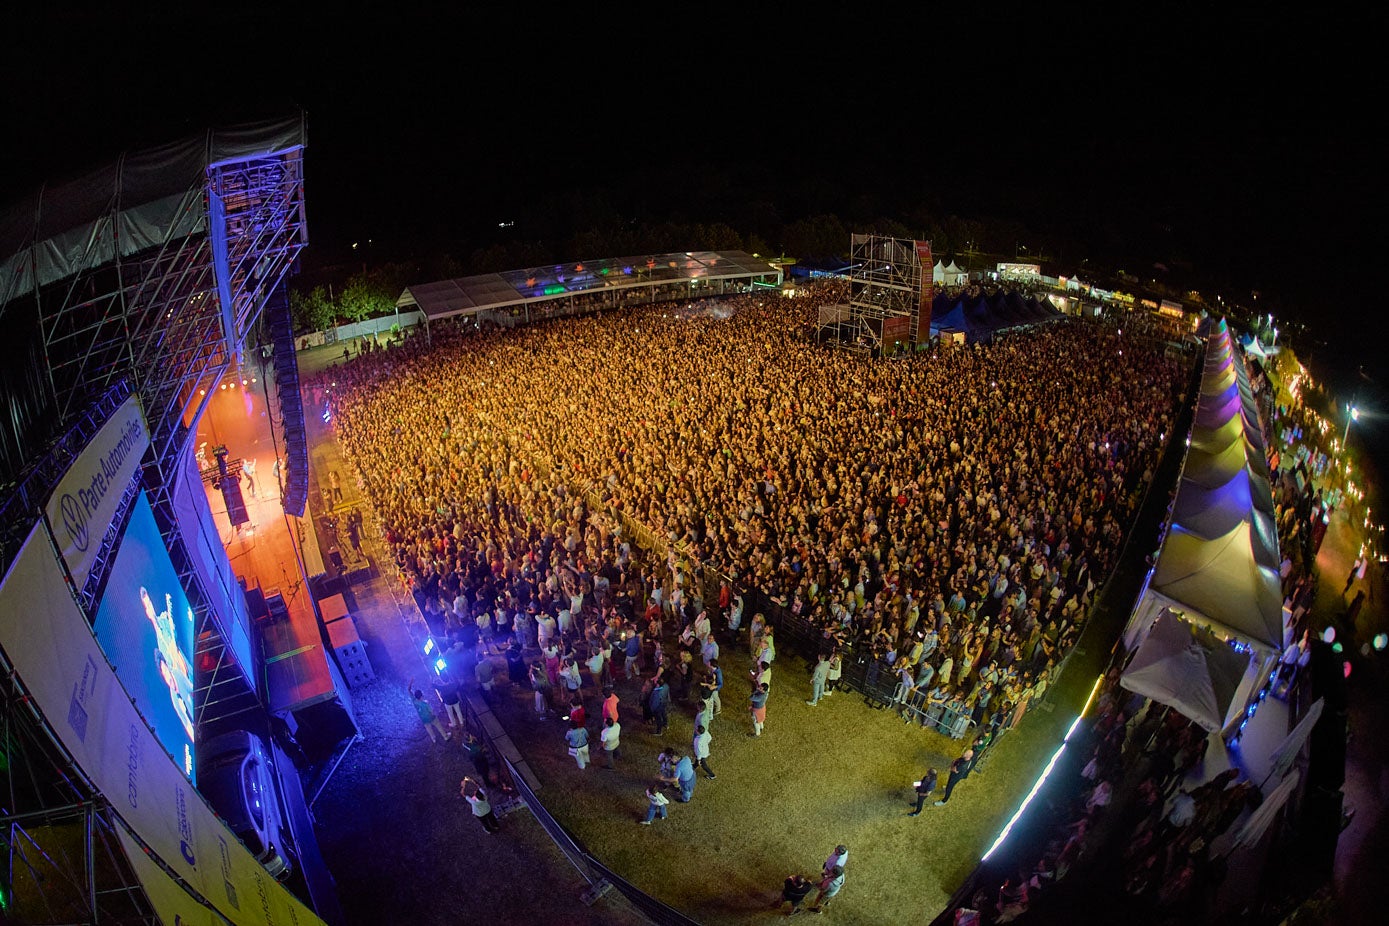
1352,414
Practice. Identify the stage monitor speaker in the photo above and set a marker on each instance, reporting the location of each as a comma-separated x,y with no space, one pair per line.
319,586
255,603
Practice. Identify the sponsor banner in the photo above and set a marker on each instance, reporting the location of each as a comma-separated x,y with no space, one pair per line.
84,503
171,901
47,640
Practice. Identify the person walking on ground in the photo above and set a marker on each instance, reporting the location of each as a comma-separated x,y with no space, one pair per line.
755,631
647,686
836,669
1357,571
569,673
924,789
426,714
704,717
768,649
447,687
484,672
710,650
794,891
655,804
701,751
482,809
761,674
610,702
758,705
660,704
716,702
840,857
631,648
540,684
477,754
612,730
830,886
818,677
959,770
682,775
577,740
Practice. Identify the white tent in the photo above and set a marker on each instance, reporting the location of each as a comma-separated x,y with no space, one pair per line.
948,275
1218,565
1187,669
1263,815
1253,347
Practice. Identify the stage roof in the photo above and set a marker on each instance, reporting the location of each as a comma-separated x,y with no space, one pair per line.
469,295
61,230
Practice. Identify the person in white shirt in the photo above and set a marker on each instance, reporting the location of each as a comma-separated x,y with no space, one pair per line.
701,625
610,738
701,750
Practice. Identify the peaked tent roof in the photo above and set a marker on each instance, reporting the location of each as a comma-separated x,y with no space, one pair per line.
1188,670
1220,580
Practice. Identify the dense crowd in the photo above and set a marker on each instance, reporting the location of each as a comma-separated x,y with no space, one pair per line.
951,513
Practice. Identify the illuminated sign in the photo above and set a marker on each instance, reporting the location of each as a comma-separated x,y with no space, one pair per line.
1010,269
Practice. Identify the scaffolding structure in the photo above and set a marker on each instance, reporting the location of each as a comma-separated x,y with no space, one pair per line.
145,277
889,290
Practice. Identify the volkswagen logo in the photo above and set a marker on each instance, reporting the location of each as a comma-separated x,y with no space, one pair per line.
76,522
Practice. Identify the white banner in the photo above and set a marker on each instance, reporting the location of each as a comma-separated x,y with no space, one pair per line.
83,505
47,640
172,903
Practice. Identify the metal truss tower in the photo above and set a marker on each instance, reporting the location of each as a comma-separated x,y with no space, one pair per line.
889,292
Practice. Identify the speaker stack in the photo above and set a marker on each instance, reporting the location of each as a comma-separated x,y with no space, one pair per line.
277,316
229,482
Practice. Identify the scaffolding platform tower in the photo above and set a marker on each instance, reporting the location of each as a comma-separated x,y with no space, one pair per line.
889,308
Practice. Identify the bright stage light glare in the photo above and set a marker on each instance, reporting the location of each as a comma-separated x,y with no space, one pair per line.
1027,800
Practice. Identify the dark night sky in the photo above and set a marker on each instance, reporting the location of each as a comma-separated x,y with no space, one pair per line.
1244,147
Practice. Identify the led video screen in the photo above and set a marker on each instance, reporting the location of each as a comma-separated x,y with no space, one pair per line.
145,626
